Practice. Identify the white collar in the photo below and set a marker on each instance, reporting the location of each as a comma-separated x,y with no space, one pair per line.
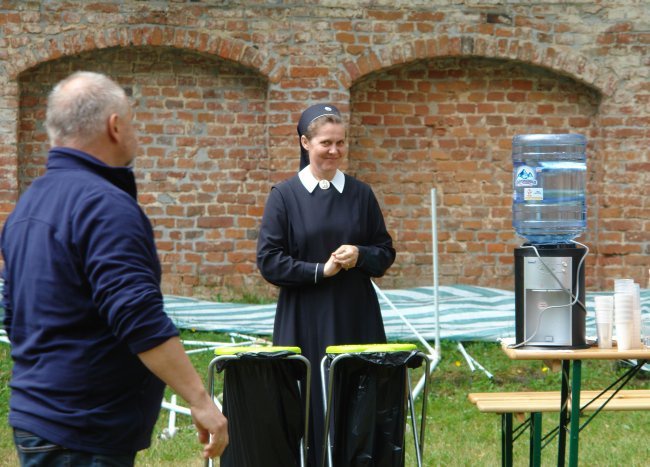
310,183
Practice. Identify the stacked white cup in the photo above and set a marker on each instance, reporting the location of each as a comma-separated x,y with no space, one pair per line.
627,314
636,322
604,320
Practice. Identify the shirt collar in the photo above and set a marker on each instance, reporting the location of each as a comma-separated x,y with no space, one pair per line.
310,183
69,158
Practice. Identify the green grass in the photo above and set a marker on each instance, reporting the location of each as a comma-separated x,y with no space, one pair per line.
457,434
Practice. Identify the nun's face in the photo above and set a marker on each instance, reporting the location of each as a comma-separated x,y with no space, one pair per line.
326,148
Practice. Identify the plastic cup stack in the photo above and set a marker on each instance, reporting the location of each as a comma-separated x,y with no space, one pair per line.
636,331
627,314
604,320
645,329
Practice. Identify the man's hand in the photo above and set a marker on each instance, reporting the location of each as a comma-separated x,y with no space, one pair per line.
171,364
212,427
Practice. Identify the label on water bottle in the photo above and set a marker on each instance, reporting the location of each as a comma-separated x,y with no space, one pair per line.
533,194
525,176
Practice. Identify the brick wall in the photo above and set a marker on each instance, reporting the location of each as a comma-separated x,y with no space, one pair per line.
449,124
433,92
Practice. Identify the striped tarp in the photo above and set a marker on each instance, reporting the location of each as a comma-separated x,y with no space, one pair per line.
465,313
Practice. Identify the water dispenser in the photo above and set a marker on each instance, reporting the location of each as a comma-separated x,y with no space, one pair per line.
549,212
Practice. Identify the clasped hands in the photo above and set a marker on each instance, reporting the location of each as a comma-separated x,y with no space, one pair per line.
345,257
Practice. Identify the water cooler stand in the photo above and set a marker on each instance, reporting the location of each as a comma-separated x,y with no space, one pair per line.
536,289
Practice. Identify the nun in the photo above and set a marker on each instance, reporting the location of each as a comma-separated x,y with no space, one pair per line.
322,239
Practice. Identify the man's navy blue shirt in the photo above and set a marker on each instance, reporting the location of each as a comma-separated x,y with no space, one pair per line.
82,298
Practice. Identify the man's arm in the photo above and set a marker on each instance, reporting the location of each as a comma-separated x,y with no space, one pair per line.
6,303
170,363
122,269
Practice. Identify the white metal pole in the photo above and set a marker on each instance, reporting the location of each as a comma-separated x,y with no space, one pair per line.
434,353
403,318
434,251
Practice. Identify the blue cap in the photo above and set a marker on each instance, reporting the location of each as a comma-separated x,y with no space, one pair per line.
308,116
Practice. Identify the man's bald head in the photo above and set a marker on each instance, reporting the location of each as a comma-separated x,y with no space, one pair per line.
78,108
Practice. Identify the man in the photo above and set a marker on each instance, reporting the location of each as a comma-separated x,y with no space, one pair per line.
83,307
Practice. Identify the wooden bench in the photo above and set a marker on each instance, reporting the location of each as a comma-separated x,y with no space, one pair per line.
518,404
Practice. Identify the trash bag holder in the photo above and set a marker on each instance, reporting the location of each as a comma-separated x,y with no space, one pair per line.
262,357
401,357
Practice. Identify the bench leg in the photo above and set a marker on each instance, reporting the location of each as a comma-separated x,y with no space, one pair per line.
506,440
535,439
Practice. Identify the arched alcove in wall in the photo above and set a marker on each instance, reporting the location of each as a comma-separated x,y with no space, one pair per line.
448,123
202,124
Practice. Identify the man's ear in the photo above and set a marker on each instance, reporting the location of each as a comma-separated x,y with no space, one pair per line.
113,124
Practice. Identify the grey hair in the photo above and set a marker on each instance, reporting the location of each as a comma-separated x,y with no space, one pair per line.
78,107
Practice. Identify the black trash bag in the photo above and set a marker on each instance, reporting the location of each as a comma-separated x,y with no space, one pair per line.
367,420
265,410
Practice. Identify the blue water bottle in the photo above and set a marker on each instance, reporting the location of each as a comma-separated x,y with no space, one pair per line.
549,178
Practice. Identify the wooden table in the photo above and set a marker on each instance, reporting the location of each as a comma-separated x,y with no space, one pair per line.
571,381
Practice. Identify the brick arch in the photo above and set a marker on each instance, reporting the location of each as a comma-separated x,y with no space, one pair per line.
75,42
201,167
558,59
448,123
